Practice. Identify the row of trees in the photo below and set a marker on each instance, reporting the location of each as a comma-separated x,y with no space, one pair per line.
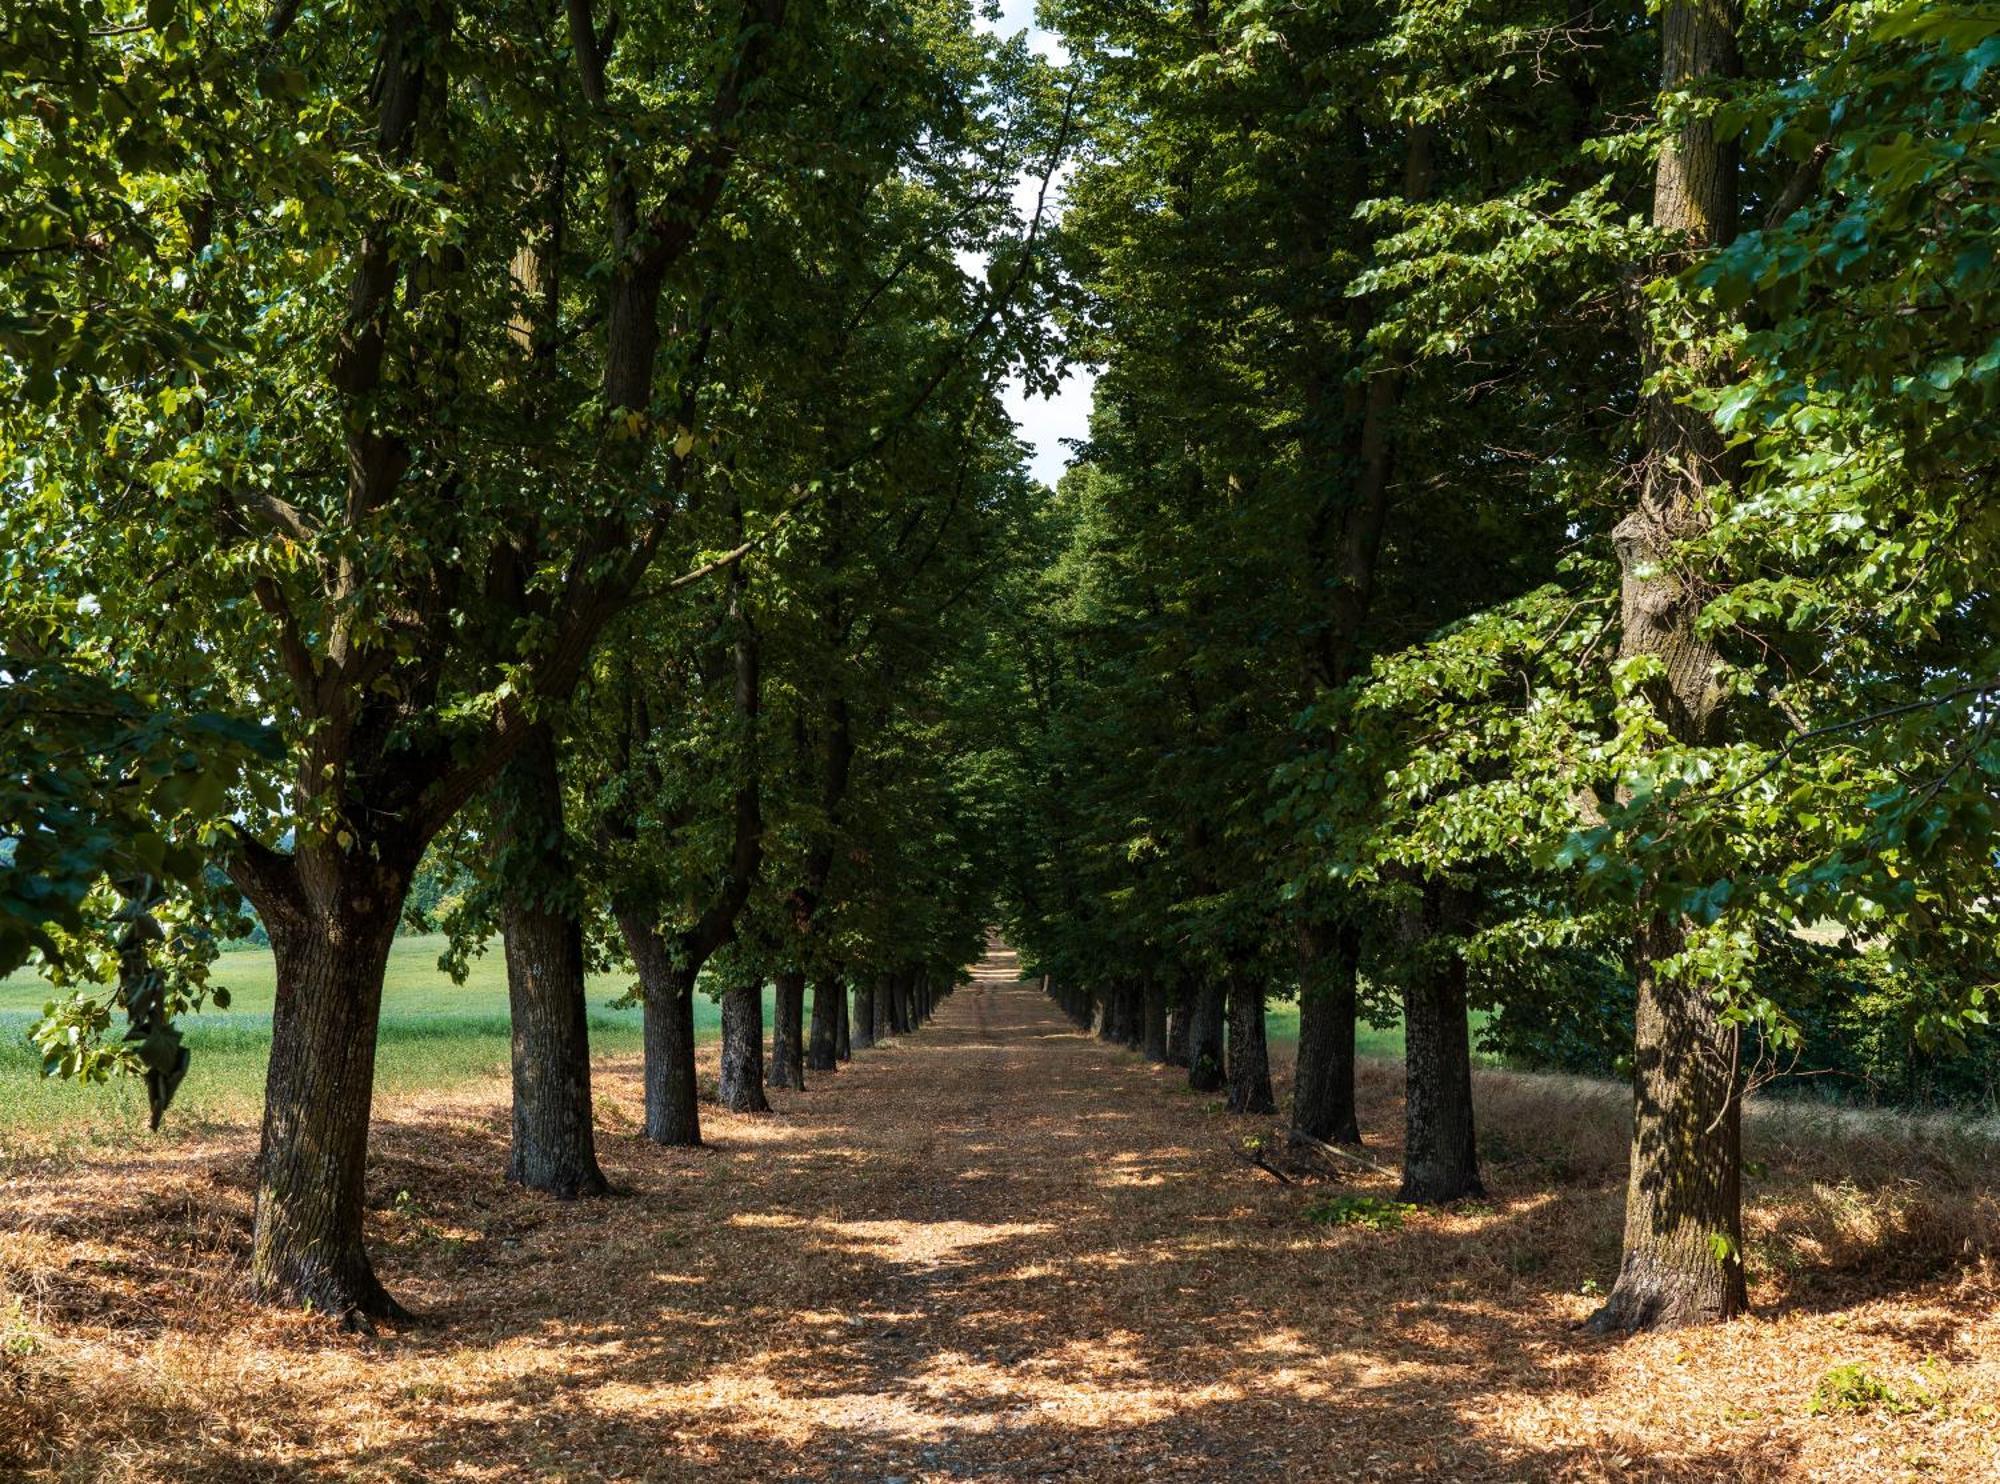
1532,550
560,440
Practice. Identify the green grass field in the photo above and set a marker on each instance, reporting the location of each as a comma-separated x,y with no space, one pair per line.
435,1034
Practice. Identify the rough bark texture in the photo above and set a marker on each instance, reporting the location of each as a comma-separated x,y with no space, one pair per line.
1683,1257
1323,1087
741,1089
788,1060
1683,1208
844,1036
307,1246
553,1148
829,998
667,994
1179,1014
1106,1013
861,1033
1249,1056
1205,1063
1155,1039
1440,1155
885,993
1132,1014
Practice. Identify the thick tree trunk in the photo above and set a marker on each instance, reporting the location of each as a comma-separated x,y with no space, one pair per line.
553,1148
667,992
885,994
862,1032
1683,1258
788,1064
843,1048
1155,1040
1107,1013
1205,1063
898,992
1323,1087
829,996
1683,1207
742,1085
1180,1013
1440,1154
1249,1056
307,1244
1131,1014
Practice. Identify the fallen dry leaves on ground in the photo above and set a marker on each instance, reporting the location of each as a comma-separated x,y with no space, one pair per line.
998,1249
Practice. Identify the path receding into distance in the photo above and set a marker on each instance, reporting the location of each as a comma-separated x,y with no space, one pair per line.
996,1248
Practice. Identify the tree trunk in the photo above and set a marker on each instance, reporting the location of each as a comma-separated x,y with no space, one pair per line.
673,1114
1249,1056
553,1148
1131,1014
307,1244
788,1065
1107,1013
1440,1155
742,1084
1179,1015
898,992
1205,1065
885,992
843,1046
1323,1087
1683,1257
829,996
1683,1247
1156,1021
862,1032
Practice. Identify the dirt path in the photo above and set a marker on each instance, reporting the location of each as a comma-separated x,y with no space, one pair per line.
996,1249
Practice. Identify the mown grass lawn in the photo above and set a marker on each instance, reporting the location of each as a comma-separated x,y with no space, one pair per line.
434,1034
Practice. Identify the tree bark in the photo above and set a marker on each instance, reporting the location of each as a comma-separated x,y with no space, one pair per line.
553,1141
553,1146
1131,1014
666,991
788,1065
1323,1087
885,993
306,1247
1440,1155
1683,1257
1179,1014
1107,1013
829,996
742,1084
1683,1245
1205,1061
1249,1055
862,1031
844,1035
1155,1039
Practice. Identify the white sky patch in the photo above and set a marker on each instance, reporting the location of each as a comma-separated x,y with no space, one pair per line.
1044,422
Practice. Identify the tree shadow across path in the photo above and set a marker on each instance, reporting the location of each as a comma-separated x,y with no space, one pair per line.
995,1249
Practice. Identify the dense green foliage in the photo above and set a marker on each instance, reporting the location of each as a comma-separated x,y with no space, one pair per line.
542,472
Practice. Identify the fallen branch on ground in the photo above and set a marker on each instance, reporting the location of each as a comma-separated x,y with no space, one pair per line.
1297,1136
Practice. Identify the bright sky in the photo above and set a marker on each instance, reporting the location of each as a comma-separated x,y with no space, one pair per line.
1044,421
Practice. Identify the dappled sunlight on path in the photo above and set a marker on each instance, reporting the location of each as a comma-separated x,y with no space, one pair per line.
996,1249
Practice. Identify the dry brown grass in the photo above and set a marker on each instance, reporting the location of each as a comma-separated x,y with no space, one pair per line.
999,1250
